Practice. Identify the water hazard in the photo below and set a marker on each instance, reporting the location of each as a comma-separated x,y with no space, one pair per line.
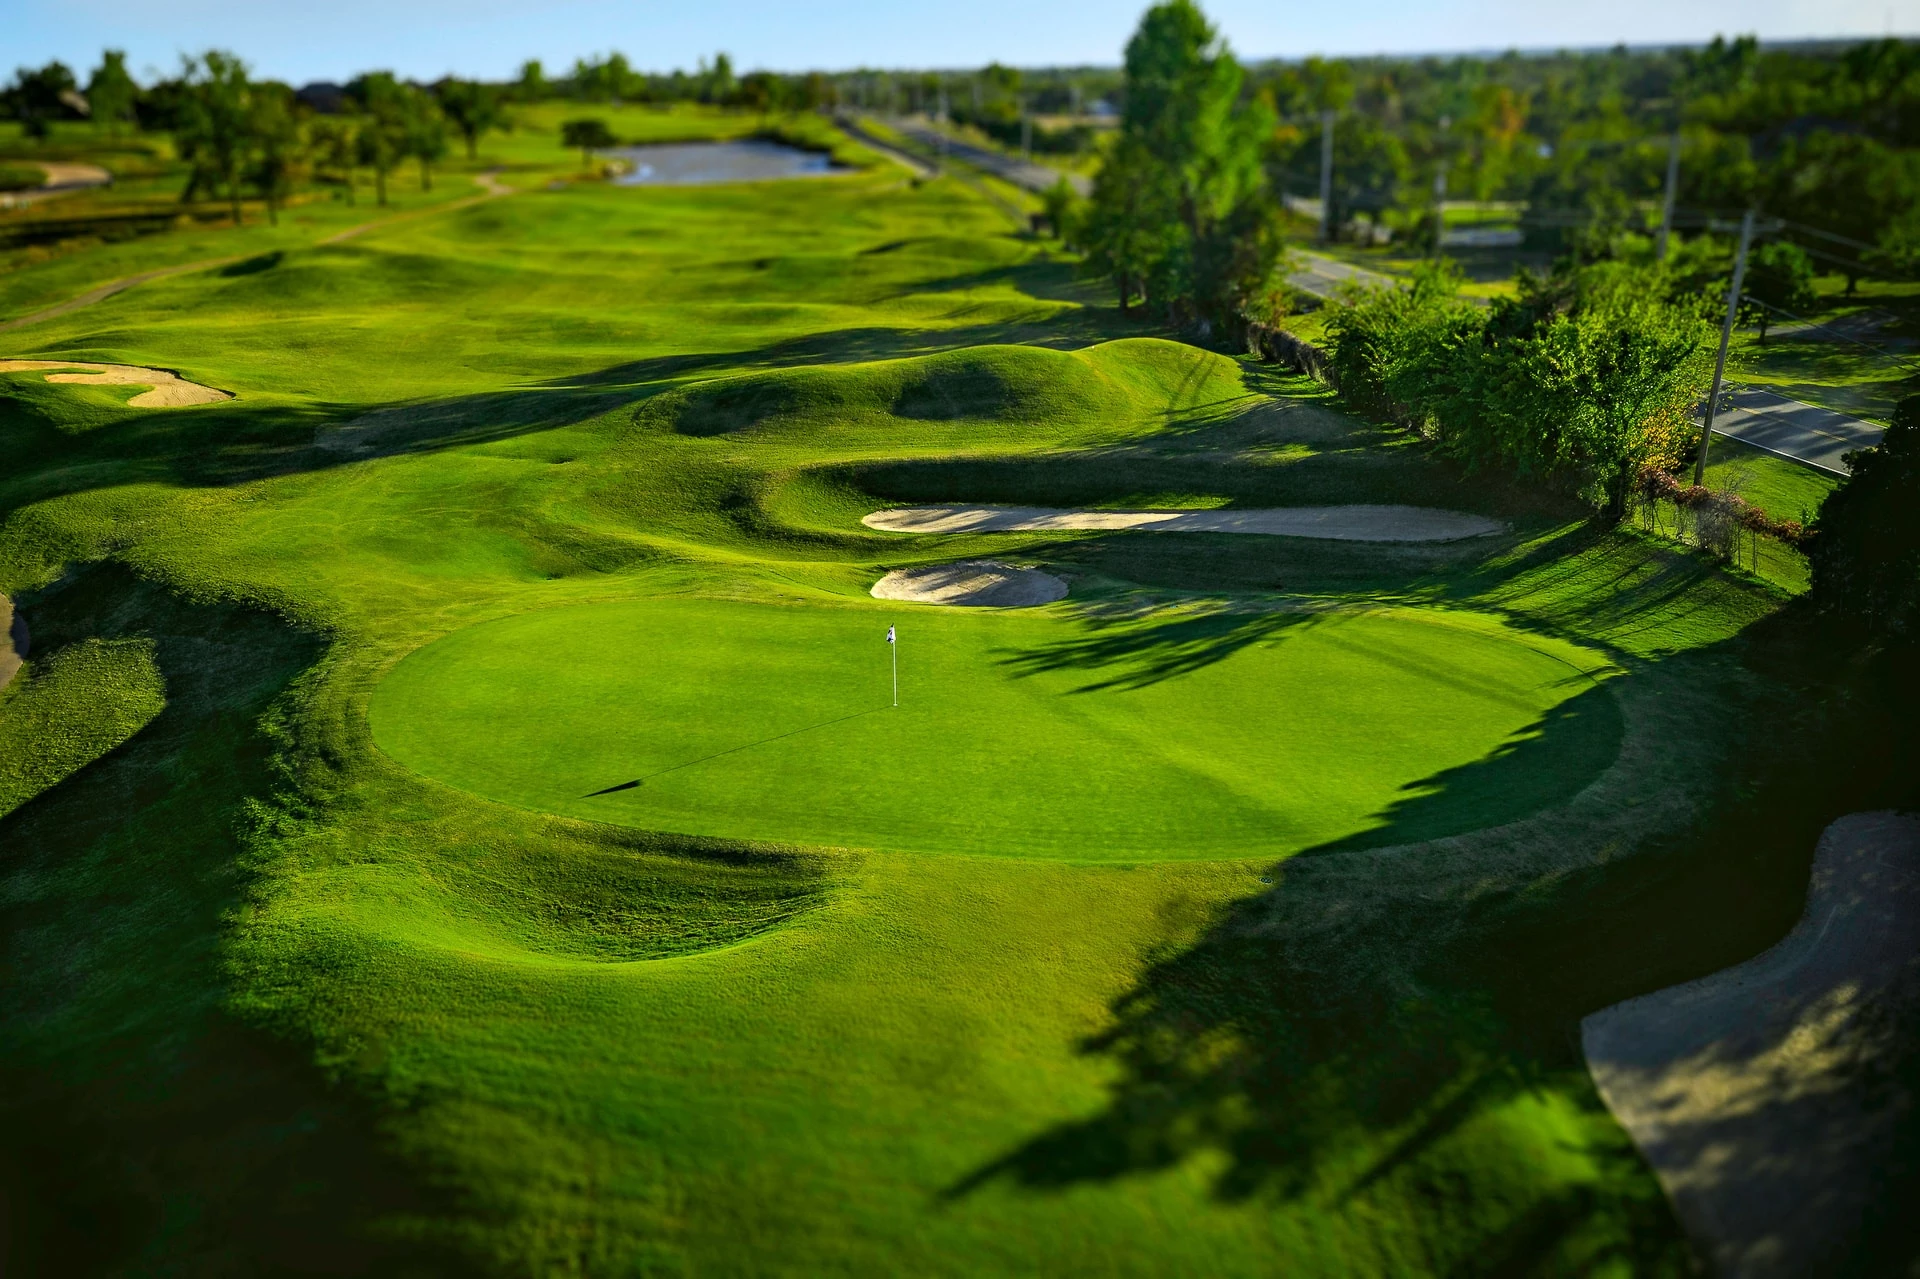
746,160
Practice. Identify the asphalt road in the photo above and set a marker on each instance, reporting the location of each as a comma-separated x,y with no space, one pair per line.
1031,177
1805,433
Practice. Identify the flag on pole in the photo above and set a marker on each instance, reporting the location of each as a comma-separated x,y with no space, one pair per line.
890,638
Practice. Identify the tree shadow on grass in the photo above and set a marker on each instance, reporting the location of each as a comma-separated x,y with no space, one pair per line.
141,1125
1352,1030
1127,653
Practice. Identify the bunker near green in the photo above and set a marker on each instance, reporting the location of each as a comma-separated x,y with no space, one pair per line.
1055,732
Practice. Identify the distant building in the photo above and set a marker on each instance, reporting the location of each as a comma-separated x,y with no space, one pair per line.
322,96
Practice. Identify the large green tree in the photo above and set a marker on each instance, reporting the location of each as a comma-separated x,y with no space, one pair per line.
111,92
473,108
214,132
1186,210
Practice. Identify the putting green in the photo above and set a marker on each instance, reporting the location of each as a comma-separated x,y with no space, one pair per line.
1038,733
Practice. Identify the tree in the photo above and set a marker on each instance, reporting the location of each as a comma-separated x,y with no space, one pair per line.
39,97
473,108
589,136
1180,207
426,134
1130,224
1779,279
1846,184
111,92
1865,554
1620,383
214,132
382,137
532,85
277,145
335,144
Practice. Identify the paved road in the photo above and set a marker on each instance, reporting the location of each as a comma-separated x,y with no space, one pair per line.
1030,177
1324,277
1789,428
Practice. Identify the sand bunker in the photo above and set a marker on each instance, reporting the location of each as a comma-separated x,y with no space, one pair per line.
1334,523
13,641
1760,1094
973,583
169,392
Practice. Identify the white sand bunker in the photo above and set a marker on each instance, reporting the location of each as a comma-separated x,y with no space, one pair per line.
1759,1094
169,392
1333,523
972,583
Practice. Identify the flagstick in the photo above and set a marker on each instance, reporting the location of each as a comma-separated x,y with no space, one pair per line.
895,646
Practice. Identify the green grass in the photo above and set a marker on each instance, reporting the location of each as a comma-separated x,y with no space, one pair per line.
1019,734
272,998
1783,489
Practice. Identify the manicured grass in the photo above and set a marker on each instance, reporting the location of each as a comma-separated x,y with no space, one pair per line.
272,998
1019,733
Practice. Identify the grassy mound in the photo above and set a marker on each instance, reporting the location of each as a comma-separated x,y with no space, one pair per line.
1112,385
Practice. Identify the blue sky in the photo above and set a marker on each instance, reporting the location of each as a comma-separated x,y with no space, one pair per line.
302,40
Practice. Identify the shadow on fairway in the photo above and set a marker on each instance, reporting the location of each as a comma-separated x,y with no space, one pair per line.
1131,655
1367,1018
133,1105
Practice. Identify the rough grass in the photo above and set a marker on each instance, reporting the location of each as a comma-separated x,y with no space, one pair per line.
273,1000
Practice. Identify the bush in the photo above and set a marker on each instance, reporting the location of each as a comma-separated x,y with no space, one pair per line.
1573,380
1866,542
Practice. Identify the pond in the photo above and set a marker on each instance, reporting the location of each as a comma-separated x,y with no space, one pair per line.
746,160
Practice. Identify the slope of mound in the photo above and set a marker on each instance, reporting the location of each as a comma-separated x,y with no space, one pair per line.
1113,384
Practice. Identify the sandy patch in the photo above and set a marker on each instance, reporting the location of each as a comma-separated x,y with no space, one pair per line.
972,583
1760,1094
169,392
13,641
1333,523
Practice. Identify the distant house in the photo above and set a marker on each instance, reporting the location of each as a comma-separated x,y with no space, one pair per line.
323,97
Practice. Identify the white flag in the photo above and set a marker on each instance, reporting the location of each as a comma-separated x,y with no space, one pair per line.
890,638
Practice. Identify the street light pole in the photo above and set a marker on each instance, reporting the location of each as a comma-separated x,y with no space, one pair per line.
1726,336
1326,176
1666,205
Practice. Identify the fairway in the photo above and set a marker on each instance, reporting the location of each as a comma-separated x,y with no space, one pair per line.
1181,735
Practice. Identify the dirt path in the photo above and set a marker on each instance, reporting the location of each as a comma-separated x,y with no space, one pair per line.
169,391
13,641
1331,523
489,184
971,584
1760,1094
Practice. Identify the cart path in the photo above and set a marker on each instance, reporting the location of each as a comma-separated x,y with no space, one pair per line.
492,188
1761,1095
1328,523
13,641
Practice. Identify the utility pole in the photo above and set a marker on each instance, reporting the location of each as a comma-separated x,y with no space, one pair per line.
1726,336
1026,131
1666,205
1326,176
1440,189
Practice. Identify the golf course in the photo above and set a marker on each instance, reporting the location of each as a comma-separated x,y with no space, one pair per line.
455,816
